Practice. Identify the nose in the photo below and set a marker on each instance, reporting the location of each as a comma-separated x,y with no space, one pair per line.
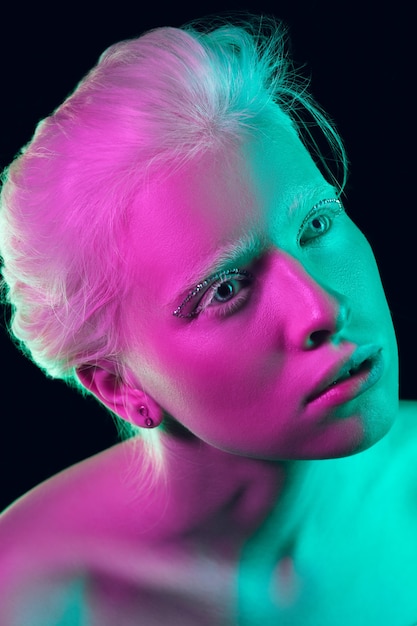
310,313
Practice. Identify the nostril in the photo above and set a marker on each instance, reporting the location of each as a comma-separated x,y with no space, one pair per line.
318,338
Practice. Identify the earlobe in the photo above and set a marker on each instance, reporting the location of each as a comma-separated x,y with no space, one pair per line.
129,403
144,413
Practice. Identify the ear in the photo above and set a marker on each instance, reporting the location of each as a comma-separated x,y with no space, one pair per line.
129,402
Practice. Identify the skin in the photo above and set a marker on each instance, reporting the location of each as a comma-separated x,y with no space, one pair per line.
239,381
236,505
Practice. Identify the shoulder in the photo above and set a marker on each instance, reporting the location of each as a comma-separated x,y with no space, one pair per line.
100,495
66,501
93,546
74,499
45,601
67,527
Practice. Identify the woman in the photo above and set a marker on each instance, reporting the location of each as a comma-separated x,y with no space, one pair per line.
171,246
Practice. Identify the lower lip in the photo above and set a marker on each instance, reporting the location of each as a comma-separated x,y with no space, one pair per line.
350,388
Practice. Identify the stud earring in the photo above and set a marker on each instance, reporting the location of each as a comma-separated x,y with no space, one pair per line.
143,410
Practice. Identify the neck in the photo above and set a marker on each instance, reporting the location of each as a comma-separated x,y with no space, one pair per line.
220,497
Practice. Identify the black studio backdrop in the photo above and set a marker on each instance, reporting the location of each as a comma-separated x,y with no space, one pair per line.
361,63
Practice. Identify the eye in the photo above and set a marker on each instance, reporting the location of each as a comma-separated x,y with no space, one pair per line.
315,227
319,220
226,295
223,293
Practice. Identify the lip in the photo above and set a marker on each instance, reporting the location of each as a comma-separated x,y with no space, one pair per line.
349,379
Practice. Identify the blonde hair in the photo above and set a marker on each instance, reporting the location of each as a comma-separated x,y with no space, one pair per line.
162,98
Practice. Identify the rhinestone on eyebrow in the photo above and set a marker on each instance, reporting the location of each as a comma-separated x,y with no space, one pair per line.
200,287
327,201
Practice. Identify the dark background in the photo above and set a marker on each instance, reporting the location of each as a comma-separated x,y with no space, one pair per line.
362,63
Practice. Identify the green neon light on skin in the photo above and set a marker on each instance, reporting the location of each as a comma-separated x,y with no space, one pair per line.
288,490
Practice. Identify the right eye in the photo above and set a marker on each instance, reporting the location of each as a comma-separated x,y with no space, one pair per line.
222,293
226,294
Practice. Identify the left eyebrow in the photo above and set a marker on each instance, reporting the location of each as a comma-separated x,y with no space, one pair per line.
309,198
247,248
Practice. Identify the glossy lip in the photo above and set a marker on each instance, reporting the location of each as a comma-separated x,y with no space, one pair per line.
339,386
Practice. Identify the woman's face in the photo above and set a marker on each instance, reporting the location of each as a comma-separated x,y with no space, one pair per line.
291,356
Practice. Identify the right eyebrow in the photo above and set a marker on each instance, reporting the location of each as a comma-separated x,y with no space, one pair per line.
231,256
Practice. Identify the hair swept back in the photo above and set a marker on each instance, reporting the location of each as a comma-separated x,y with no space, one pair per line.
159,99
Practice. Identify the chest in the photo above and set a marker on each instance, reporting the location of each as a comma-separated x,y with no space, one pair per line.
352,561
353,585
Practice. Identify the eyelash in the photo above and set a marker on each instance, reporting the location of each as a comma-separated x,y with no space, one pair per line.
315,213
209,289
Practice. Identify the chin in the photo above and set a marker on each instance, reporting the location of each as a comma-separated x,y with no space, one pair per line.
378,423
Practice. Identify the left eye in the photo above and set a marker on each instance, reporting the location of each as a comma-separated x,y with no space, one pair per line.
319,220
315,227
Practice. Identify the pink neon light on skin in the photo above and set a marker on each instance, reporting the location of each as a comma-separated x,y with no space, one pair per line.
240,382
252,383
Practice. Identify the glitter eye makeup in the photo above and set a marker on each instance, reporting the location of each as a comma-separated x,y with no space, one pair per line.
208,291
327,209
226,291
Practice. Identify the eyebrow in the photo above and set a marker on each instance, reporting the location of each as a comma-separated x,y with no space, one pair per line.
308,199
247,248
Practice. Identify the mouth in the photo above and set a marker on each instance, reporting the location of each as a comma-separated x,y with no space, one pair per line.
360,372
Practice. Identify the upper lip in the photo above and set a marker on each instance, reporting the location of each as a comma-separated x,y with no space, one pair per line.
343,369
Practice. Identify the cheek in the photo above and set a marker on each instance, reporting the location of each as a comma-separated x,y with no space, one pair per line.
365,281
204,360
351,269
199,374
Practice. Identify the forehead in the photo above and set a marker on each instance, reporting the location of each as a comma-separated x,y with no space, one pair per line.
184,219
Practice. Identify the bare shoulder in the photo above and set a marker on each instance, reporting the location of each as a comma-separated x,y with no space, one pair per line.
64,527
66,500
89,547
92,497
